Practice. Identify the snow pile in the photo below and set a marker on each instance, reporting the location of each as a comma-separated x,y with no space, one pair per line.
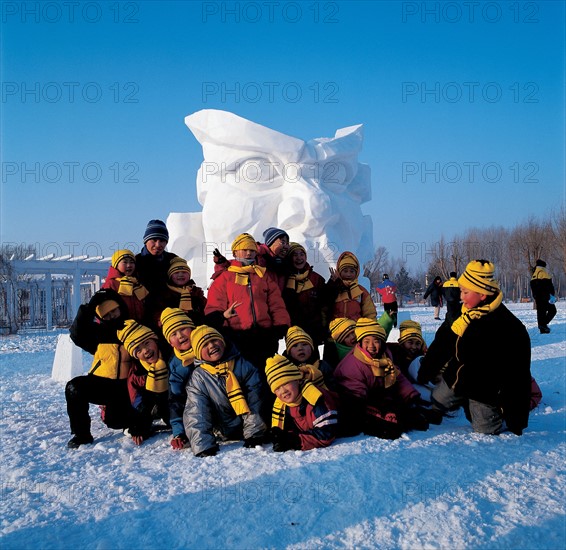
445,488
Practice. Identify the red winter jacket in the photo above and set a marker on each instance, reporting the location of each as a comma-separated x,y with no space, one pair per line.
261,302
135,307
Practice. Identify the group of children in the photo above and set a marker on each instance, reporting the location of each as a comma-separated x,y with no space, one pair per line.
208,368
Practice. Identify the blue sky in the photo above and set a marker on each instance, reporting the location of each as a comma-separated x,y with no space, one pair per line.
462,106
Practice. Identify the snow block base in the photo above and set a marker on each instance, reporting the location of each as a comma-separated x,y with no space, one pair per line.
68,361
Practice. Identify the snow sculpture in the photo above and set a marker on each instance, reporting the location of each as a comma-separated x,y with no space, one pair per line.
253,177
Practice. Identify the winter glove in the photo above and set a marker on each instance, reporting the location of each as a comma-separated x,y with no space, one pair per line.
208,452
179,441
415,418
284,441
551,300
381,424
254,441
217,257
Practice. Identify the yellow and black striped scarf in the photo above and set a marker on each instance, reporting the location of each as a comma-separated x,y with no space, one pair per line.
157,380
129,286
312,373
187,357
186,301
383,367
460,325
352,292
235,394
309,391
243,272
299,282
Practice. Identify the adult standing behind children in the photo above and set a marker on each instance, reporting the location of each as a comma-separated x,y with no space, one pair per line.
152,265
484,358
435,292
543,295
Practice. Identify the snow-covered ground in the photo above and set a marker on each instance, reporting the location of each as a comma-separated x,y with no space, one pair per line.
445,488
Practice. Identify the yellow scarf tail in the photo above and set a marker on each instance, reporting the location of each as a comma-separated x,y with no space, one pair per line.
243,272
383,367
187,357
129,286
312,373
353,292
299,282
186,301
157,380
235,394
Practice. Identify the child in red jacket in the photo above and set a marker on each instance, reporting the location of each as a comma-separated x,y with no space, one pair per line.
121,278
304,416
245,303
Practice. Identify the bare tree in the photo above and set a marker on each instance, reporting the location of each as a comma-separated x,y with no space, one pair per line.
374,268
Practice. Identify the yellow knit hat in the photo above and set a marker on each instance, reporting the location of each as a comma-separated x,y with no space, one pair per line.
244,242
348,259
295,335
172,319
410,329
178,264
201,335
280,370
478,277
106,307
133,334
341,327
119,255
369,327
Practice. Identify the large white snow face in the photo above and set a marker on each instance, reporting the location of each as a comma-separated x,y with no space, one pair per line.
253,178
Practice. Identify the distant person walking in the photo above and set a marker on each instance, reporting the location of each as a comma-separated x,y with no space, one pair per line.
387,290
435,291
543,295
452,294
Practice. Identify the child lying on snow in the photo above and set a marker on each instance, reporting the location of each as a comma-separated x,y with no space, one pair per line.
304,416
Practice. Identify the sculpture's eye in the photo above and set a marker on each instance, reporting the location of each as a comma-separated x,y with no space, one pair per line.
258,170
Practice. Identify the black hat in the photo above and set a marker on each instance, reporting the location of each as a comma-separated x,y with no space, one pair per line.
385,276
540,263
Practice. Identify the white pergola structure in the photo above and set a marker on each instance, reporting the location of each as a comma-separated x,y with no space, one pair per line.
48,271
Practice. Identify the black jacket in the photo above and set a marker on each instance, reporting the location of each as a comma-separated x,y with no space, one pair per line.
88,330
490,363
